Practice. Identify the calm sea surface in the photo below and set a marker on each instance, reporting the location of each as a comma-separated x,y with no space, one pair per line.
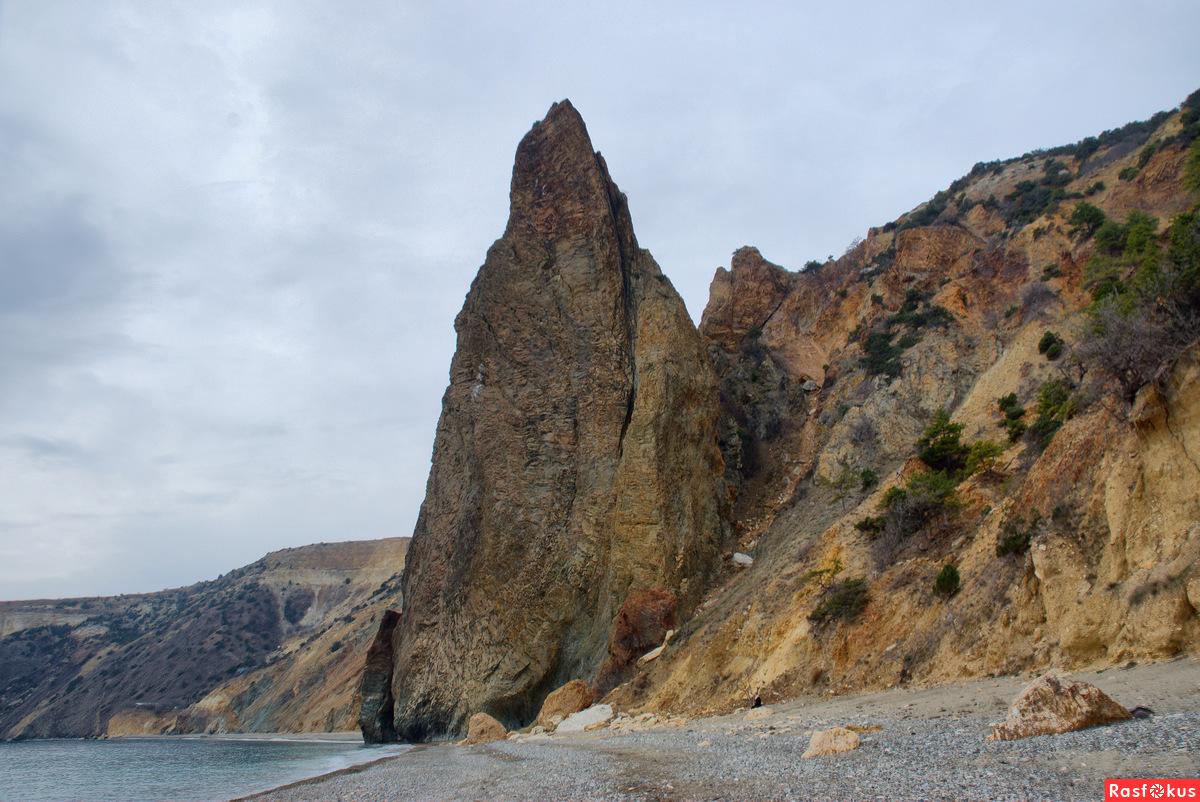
146,769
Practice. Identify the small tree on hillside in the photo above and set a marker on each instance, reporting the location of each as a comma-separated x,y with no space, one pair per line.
941,446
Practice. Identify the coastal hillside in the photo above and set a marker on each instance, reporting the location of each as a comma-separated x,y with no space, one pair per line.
969,446
274,646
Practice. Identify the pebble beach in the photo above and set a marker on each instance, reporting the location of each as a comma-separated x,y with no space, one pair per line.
915,744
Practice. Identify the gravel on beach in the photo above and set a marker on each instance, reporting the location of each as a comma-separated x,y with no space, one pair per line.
931,746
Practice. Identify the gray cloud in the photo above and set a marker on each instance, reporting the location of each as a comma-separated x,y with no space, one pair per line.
55,259
43,448
234,236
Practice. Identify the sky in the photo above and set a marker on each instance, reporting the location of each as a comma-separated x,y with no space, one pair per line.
234,236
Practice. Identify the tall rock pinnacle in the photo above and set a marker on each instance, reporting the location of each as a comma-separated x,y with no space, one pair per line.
575,461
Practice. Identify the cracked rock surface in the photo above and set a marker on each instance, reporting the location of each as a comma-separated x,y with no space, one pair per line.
575,461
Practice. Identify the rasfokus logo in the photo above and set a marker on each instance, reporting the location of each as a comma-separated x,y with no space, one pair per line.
1157,788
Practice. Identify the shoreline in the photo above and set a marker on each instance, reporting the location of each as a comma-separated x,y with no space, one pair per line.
318,778
730,757
337,737
148,768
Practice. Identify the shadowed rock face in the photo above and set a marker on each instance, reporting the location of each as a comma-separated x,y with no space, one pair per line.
375,713
575,460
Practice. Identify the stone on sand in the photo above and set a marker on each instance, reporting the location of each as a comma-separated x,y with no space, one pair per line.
576,695
482,729
831,742
1052,705
593,718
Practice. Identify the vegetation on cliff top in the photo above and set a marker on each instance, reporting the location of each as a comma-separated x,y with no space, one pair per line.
1146,297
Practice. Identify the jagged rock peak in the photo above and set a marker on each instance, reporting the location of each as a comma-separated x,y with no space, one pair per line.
744,297
560,184
575,462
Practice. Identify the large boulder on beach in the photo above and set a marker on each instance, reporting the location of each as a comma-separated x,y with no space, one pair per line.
593,718
482,729
831,742
576,695
1051,705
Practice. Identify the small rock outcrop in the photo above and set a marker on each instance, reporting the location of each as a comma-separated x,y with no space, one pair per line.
576,695
831,742
483,729
575,460
744,297
641,625
375,689
1051,705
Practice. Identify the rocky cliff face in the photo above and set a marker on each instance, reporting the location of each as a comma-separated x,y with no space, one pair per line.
377,707
275,646
575,461
1076,544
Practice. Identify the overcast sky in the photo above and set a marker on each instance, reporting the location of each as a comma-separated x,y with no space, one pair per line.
234,236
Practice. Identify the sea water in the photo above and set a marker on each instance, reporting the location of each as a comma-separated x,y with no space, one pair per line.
168,768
